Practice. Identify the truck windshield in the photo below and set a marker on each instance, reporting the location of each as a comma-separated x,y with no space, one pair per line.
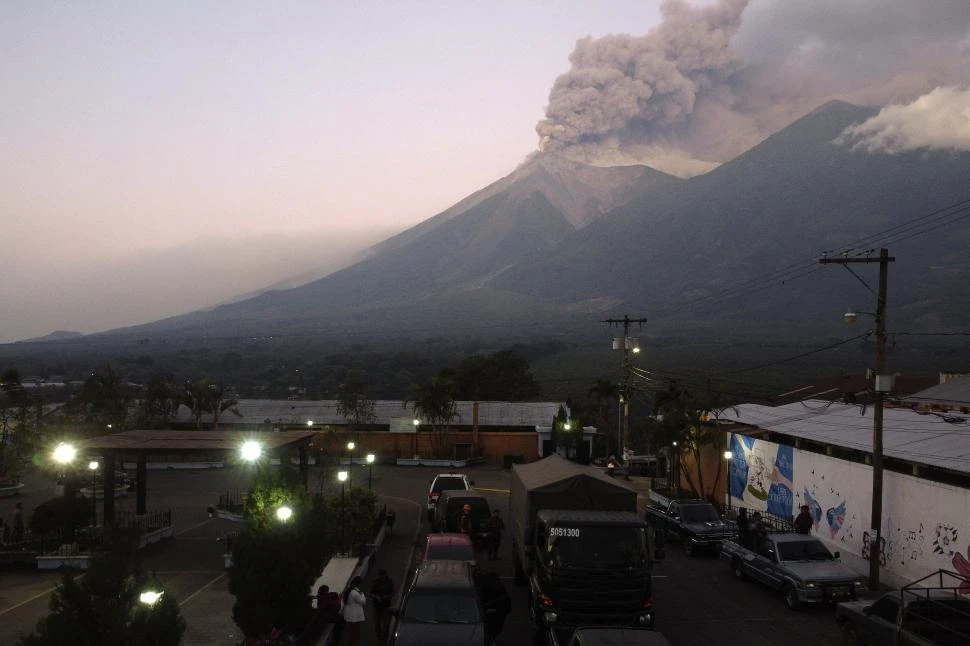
803,551
579,546
698,514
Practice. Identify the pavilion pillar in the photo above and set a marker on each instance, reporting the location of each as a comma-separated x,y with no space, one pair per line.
141,485
304,465
109,488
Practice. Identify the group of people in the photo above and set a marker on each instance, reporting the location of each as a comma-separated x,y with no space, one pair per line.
752,530
347,612
495,527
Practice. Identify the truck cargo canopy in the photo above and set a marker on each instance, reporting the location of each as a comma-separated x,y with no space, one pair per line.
556,483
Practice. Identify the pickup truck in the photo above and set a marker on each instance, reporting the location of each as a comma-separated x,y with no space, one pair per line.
800,566
936,614
695,522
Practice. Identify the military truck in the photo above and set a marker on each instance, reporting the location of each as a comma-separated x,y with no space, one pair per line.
580,546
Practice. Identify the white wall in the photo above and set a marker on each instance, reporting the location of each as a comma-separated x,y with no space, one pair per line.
926,525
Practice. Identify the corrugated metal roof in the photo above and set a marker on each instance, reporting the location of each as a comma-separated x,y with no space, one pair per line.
321,412
924,438
955,393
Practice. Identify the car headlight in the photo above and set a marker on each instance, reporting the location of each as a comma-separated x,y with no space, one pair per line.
809,584
550,617
858,583
645,620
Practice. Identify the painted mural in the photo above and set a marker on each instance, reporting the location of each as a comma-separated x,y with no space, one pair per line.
917,538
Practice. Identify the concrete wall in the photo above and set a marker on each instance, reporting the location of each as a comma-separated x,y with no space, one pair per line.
926,525
493,445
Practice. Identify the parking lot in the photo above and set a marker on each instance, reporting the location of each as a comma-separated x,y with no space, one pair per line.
697,600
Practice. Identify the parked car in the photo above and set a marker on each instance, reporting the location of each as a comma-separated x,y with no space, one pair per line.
798,565
697,523
444,482
606,636
441,607
449,509
449,546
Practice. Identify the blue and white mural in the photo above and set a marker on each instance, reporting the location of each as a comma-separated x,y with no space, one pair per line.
916,538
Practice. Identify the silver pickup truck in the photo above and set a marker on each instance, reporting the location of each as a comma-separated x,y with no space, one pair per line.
798,565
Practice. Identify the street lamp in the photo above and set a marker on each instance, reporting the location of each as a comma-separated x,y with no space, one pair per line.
350,449
370,470
342,477
150,597
309,423
93,466
64,453
284,513
728,455
250,450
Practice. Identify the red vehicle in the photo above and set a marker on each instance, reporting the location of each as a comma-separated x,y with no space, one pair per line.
450,547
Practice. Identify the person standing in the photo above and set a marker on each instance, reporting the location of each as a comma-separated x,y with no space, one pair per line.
381,593
353,612
18,522
804,521
465,520
495,528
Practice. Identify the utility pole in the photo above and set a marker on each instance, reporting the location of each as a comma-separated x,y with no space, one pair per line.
627,345
883,385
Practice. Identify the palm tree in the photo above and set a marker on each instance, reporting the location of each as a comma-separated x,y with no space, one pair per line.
434,402
605,392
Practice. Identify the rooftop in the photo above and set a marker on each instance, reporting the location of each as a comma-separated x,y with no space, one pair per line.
919,437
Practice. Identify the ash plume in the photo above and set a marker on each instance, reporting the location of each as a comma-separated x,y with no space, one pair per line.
708,83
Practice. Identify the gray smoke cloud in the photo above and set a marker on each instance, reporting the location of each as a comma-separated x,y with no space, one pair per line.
710,82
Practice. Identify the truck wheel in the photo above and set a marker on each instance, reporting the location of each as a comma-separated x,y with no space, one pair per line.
850,636
738,568
791,597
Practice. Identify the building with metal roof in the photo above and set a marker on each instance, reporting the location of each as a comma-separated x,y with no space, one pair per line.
951,394
283,414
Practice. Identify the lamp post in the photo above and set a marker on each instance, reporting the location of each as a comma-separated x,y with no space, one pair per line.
370,471
728,455
93,466
150,597
883,384
350,469
250,451
342,477
64,454
284,513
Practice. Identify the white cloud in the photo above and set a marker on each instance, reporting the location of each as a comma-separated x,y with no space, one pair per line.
938,120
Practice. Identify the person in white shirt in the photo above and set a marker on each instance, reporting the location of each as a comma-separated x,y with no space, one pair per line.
353,612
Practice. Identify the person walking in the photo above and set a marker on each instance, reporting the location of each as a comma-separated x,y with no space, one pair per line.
353,612
495,528
804,521
381,593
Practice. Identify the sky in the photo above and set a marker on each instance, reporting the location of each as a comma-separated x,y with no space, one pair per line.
158,157
134,129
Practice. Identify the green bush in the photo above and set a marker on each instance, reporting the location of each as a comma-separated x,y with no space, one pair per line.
55,514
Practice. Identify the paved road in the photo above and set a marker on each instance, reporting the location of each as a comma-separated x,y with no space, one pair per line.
697,600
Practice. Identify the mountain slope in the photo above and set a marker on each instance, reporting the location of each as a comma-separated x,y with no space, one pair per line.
788,199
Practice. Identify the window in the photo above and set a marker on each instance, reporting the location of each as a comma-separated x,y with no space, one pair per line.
446,606
803,551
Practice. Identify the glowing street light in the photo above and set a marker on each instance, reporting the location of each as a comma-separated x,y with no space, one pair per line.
150,597
370,470
284,513
728,455
350,446
309,422
342,477
250,450
64,453
93,466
